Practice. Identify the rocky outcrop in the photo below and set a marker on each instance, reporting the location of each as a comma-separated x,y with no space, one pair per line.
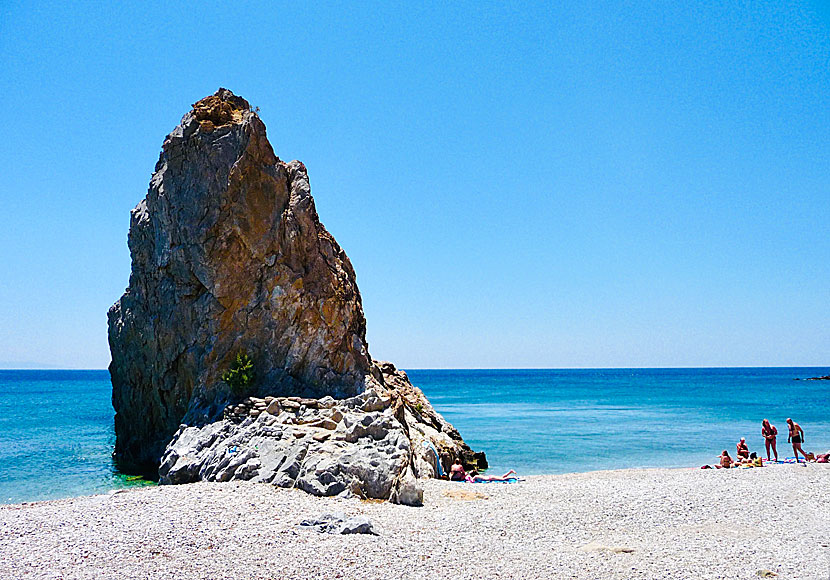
374,445
228,255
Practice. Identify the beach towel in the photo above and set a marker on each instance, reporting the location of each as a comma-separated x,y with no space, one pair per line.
429,445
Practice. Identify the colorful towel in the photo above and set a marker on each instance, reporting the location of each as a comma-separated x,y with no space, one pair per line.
429,445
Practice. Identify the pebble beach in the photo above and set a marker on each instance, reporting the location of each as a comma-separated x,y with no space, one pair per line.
649,523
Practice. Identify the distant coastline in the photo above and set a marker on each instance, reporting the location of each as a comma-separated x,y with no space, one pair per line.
38,366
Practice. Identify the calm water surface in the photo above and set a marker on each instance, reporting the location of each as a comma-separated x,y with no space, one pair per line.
56,427
559,421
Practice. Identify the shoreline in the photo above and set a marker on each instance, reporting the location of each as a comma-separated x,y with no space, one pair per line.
626,523
151,484
146,483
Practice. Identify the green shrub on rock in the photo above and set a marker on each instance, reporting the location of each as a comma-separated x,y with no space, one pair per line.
241,374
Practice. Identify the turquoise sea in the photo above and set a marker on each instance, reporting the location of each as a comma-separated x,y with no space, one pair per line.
56,427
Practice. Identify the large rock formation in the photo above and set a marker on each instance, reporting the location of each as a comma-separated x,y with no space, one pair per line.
228,255
375,444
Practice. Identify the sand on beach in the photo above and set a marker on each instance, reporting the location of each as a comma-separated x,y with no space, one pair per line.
649,523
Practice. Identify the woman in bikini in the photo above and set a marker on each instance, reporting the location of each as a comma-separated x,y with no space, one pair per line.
474,477
725,461
769,433
796,438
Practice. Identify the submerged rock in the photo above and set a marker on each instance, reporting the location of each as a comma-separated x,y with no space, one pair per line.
229,256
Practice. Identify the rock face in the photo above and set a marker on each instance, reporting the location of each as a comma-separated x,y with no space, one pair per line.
228,255
373,445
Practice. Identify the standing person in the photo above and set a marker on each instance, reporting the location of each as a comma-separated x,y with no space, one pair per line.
769,432
796,438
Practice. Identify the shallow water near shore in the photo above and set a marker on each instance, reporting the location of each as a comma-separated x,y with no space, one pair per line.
56,427
561,421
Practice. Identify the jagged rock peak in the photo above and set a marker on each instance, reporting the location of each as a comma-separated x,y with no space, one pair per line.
219,109
228,255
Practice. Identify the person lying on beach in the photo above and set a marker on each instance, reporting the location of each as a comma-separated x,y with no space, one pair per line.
474,477
457,472
725,461
769,432
743,450
796,437
752,461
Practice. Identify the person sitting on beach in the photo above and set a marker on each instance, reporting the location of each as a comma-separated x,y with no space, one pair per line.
769,432
796,437
475,477
457,472
725,461
743,450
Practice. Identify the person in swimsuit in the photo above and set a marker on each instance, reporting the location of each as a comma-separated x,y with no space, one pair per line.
457,472
474,477
796,438
725,461
769,432
743,450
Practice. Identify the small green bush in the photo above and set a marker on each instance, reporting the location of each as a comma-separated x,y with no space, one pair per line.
241,374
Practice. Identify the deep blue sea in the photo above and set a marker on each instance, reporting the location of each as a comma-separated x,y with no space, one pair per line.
56,427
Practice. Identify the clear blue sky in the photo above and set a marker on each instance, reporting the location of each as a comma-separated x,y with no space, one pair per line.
584,185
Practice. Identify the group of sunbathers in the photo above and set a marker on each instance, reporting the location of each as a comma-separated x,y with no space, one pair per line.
744,458
458,473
